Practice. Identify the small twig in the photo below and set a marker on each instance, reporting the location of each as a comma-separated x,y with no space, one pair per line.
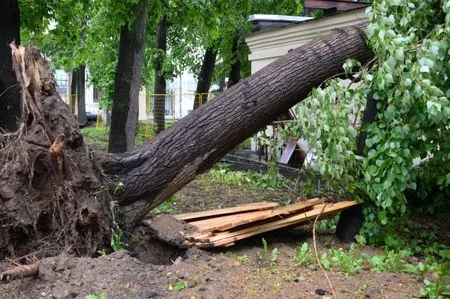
317,254
13,262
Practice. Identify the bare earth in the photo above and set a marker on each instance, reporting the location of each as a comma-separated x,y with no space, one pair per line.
234,272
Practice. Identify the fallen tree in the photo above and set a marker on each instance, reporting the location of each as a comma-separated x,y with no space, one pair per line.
68,198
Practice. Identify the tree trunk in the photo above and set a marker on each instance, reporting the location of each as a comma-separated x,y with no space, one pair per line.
190,147
159,105
350,220
10,103
221,85
205,78
235,72
73,91
81,94
127,82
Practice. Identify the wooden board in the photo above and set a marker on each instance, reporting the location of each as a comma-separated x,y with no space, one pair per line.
229,222
288,150
226,238
226,211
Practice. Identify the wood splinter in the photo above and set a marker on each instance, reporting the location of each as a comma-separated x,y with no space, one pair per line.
20,271
56,153
15,51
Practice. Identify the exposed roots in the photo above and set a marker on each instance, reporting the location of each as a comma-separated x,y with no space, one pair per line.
20,271
51,198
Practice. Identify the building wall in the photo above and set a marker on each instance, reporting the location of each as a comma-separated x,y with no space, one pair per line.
267,46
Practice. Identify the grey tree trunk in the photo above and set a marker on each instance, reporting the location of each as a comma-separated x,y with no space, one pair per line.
159,107
10,103
81,94
128,82
235,72
205,78
350,220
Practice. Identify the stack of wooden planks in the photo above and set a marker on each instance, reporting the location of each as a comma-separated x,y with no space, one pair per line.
221,228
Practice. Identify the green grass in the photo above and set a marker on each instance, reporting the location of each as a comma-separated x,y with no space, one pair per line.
96,137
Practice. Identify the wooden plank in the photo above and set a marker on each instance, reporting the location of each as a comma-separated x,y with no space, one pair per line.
288,150
209,225
221,240
231,221
225,211
277,212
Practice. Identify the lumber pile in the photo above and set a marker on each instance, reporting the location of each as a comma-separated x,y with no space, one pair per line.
223,227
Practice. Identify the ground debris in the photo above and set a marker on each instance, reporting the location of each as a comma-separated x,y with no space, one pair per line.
168,229
20,271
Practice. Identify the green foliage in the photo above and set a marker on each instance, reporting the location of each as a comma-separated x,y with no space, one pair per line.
117,239
119,187
408,78
222,174
167,207
245,144
100,296
288,277
96,137
262,256
302,255
391,261
274,256
179,286
440,287
405,233
272,179
324,261
349,262
242,259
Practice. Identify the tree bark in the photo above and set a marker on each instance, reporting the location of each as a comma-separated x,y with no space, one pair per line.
127,82
160,79
205,78
81,94
235,72
190,147
350,220
10,103
221,85
73,91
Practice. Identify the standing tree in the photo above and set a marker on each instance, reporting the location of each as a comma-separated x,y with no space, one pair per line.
81,93
10,102
128,82
205,77
160,78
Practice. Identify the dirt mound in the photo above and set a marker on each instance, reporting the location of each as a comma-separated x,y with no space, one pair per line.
233,273
118,275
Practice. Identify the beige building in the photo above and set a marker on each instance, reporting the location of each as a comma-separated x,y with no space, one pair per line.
268,45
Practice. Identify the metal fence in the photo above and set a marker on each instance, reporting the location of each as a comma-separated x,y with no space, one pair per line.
176,106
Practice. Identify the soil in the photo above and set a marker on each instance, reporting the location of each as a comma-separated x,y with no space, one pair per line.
153,269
